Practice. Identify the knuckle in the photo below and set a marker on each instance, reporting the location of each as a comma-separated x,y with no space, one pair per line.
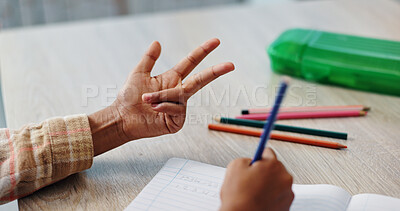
204,50
244,160
278,164
159,96
273,166
184,94
191,59
152,57
287,181
291,196
271,163
290,179
182,91
213,72
178,73
198,79
239,162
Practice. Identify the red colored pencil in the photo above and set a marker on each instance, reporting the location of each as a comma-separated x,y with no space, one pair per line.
257,133
308,109
305,115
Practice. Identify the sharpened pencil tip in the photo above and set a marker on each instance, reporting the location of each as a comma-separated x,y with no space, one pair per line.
363,113
366,108
217,118
286,79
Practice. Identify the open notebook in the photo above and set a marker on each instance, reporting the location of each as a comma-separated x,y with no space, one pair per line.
189,185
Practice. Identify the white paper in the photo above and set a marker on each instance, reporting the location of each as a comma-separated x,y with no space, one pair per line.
182,185
10,206
373,202
319,197
189,185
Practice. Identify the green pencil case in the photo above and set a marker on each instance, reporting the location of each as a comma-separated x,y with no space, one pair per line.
351,61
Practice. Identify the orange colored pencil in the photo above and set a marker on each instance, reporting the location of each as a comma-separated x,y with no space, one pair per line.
281,137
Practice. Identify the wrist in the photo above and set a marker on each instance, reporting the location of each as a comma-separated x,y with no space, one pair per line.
107,130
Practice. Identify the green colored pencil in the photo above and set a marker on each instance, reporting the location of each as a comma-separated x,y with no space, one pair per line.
287,128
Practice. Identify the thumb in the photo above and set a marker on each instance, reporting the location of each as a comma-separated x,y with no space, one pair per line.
170,108
269,154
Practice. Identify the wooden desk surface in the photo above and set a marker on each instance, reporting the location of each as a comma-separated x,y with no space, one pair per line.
45,72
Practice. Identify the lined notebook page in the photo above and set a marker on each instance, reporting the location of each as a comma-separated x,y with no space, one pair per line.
372,202
182,185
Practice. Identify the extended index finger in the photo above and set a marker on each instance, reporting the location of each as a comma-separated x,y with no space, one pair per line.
186,65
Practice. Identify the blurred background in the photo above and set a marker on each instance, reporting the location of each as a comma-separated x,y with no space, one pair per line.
23,13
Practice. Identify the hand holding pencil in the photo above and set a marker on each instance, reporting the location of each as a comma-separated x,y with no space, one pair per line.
265,185
262,183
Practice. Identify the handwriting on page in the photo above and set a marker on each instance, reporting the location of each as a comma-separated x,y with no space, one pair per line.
182,185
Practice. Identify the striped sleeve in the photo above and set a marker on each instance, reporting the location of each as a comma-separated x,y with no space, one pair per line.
40,154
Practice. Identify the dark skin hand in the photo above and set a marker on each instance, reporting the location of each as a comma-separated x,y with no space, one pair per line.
151,106
265,185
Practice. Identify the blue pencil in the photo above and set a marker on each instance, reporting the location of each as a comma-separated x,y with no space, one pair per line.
270,120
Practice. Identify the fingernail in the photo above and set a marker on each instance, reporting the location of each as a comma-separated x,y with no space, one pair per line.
224,67
154,105
146,97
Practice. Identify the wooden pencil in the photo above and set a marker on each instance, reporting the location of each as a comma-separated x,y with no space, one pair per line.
287,128
281,137
307,109
305,115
